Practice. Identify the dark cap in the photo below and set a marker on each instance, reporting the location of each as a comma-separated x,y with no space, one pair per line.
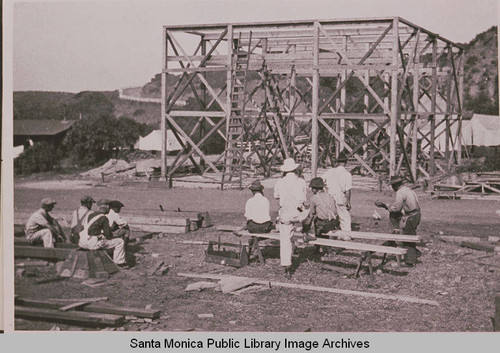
103,202
256,186
116,203
87,199
396,180
317,183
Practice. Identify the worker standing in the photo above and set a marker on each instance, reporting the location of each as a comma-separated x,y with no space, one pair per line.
404,215
291,190
339,185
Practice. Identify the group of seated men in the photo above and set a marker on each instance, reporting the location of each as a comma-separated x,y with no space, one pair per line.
103,228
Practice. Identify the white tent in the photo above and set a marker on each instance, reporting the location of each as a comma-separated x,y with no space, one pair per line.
483,130
152,142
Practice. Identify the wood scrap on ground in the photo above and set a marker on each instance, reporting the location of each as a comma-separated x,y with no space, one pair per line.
316,288
199,286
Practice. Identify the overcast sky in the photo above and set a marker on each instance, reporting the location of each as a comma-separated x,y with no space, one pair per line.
105,45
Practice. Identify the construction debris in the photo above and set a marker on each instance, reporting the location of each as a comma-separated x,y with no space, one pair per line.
199,286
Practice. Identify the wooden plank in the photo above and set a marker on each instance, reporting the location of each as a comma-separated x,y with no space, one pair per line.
109,266
41,253
74,305
74,317
318,289
457,239
478,246
100,273
25,242
348,245
338,233
160,228
166,220
93,306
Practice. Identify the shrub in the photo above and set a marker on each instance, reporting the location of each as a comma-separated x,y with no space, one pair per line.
41,157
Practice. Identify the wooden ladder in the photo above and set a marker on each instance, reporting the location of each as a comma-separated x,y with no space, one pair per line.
233,160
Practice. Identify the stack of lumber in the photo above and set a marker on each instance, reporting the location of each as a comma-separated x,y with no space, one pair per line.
171,222
79,311
486,186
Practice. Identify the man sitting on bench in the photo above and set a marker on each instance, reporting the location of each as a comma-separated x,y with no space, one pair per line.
257,210
96,234
43,228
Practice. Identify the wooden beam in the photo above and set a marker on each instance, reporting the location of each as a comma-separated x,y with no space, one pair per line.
315,103
319,289
41,253
394,98
73,317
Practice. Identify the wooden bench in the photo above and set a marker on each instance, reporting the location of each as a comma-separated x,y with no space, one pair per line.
366,249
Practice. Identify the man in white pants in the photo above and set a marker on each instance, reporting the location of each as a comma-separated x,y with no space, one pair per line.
291,190
339,184
96,234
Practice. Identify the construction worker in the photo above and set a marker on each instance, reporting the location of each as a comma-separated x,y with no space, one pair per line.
322,210
257,210
404,215
96,234
291,190
42,228
117,224
339,184
79,217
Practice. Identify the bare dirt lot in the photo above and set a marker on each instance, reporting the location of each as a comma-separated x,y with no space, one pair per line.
446,273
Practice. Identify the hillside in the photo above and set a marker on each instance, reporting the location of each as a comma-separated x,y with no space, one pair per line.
481,73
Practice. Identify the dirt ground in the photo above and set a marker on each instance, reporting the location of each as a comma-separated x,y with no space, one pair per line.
446,273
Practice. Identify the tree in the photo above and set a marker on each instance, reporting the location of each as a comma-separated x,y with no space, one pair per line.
42,157
95,139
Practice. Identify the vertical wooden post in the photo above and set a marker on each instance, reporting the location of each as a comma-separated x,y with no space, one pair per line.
433,107
336,122
291,103
416,87
394,96
448,109
229,77
163,112
366,102
315,102
460,94
204,97
343,99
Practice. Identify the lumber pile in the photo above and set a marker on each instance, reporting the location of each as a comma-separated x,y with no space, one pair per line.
170,222
485,186
80,311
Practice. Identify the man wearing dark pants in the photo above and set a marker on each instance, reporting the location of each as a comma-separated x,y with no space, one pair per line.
257,210
404,215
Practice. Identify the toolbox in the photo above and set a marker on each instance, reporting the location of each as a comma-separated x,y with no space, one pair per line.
235,255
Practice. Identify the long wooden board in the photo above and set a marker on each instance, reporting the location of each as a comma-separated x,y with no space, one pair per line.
343,233
41,253
348,245
315,288
160,228
74,317
92,306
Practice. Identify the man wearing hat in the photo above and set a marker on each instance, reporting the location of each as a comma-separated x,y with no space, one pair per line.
96,234
257,210
323,210
404,214
42,228
117,224
291,190
339,184
79,217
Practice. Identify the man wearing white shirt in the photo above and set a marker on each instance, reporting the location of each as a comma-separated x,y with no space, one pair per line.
339,184
291,190
257,210
79,217
117,224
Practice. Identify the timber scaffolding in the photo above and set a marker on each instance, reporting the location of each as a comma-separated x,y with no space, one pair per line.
380,89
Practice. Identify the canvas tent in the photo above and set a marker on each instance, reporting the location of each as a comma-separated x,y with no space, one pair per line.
152,142
482,130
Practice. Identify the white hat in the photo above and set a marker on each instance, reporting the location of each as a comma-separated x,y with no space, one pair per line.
289,165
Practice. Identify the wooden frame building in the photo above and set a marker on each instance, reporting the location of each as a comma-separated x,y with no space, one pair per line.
380,90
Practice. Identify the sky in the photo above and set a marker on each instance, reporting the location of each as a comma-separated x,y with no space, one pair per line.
106,45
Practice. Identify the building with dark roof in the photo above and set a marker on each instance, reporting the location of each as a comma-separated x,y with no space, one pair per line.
50,131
